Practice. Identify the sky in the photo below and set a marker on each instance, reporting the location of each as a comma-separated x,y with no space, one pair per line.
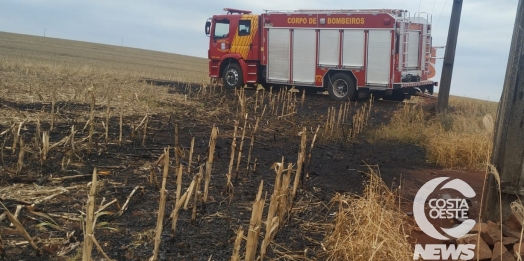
177,26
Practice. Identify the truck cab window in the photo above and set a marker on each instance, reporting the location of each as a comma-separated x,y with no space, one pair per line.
244,27
221,29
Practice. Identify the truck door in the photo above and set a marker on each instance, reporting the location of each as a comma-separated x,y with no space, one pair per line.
245,33
379,57
220,38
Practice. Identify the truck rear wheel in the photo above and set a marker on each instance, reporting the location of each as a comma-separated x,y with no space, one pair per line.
232,76
341,87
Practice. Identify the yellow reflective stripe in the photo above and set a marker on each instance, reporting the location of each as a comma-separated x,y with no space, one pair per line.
241,44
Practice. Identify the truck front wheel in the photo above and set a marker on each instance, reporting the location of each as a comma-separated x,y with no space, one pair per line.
232,76
341,87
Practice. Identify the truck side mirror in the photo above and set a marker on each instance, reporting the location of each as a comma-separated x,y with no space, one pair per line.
208,28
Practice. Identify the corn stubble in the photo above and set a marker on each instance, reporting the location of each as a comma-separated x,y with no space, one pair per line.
280,206
265,108
241,146
180,200
108,114
370,227
91,118
89,222
232,159
209,163
281,105
255,225
237,244
198,178
342,125
161,208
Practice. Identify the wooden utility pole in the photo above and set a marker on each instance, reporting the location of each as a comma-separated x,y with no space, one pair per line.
508,146
449,57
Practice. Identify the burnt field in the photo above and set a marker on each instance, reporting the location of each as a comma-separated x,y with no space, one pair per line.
144,120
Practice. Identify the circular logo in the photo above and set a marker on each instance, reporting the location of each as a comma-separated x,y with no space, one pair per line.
443,208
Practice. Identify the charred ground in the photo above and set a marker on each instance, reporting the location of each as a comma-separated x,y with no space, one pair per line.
339,161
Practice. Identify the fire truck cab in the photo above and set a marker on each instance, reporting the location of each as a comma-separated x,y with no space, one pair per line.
349,53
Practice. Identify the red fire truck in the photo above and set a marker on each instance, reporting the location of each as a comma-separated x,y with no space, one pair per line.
349,53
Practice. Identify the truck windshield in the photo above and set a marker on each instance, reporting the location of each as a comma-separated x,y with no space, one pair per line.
221,29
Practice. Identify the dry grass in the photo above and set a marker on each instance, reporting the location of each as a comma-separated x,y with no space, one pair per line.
458,139
369,227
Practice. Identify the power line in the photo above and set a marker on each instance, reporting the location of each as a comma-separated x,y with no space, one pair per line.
432,9
441,12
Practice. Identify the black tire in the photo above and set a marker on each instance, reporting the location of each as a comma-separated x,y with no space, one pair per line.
341,87
232,76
